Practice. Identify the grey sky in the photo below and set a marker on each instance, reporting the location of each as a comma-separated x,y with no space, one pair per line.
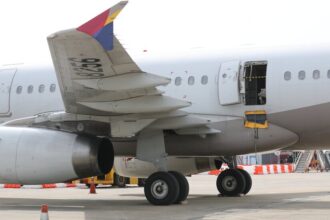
165,24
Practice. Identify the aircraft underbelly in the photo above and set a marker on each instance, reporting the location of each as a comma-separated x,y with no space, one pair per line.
234,139
311,124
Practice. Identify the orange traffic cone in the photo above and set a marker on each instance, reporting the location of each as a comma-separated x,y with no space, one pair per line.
92,188
44,212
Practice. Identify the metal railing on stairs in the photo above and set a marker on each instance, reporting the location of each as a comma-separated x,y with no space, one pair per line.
303,161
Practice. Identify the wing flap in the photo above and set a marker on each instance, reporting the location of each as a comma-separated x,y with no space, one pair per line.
144,104
124,82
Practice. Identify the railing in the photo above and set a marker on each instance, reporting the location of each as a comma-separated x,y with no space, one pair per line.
309,158
297,159
327,157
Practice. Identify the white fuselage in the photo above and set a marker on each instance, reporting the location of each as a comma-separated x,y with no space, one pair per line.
282,95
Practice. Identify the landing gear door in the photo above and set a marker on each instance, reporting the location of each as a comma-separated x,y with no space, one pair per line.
6,78
228,83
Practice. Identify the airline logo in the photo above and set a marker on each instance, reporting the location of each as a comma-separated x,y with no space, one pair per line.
101,27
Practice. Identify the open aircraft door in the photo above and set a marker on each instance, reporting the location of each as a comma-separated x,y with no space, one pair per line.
228,83
6,79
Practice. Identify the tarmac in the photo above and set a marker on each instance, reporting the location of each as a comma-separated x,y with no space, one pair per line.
281,196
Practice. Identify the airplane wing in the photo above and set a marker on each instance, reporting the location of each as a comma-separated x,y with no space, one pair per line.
100,82
98,77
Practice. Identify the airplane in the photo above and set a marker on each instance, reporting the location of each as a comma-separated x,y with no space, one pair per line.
175,114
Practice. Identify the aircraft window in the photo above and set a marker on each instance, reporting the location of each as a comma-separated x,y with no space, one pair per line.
191,80
302,75
178,81
329,74
41,88
204,80
316,74
287,75
19,89
30,89
52,88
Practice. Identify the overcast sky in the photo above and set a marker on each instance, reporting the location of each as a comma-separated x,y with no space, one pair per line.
165,24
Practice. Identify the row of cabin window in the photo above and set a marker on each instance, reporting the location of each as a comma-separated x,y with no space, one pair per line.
41,88
302,75
191,80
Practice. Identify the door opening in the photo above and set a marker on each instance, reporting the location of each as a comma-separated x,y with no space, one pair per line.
6,80
255,83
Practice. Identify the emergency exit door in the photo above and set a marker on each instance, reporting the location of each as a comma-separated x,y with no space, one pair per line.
6,79
228,83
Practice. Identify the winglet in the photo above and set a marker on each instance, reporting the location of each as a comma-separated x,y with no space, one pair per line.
101,27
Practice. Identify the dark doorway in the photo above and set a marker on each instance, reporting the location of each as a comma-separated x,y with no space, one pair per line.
255,83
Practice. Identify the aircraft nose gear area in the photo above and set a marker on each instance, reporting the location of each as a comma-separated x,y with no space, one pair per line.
233,182
166,188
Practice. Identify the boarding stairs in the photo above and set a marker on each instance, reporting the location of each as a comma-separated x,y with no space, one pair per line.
327,156
303,161
324,159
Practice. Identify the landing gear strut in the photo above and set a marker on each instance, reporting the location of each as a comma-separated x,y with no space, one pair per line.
166,188
161,188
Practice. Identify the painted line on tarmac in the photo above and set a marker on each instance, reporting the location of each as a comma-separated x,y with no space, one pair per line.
51,206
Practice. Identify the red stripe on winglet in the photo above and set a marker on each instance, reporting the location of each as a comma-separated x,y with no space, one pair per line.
96,24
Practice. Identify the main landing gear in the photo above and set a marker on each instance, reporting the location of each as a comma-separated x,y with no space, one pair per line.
234,182
166,188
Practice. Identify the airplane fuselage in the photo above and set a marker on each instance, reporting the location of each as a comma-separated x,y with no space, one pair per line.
296,88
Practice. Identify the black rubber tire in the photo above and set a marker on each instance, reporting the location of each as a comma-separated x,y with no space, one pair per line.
183,186
119,181
248,181
172,187
232,174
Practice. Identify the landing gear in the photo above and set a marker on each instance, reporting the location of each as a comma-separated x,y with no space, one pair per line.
119,181
183,186
233,182
248,181
161,188
166,188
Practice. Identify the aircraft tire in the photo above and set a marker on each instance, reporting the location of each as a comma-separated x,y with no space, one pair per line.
162,188
119,181
231,182
183,185
248,181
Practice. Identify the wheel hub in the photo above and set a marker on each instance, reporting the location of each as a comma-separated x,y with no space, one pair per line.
159,189
229,183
